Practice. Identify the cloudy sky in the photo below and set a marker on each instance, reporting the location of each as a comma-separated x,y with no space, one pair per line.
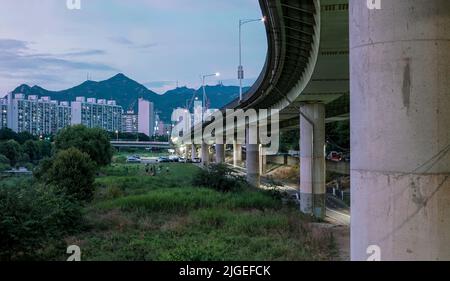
156,42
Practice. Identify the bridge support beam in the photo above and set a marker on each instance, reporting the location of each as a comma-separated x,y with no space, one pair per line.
237,153
205,154
400,126
193,152
252,148
312,159
220,153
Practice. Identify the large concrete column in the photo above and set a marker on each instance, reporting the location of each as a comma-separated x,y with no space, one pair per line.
400,126
205,154
262,161
220,153
312,159
252,160
237,153
193,152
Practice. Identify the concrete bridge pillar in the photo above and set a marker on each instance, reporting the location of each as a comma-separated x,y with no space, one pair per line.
252,155
237,153
220,153
193,152
312,159
400,126
186,152
205,154
253,175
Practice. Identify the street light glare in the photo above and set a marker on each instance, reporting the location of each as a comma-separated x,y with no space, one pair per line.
217,74
263,19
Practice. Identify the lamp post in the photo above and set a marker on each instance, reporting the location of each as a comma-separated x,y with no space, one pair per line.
240,67
117,135
204,92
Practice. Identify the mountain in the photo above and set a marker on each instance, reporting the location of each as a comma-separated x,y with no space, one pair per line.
127,91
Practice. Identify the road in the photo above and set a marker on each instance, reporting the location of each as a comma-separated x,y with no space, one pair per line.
337,213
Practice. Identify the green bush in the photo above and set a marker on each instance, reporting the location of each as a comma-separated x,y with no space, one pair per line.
93,141
71,171
32,218
11,149
219,177
4,163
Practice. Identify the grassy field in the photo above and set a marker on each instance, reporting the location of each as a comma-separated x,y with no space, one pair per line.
139,217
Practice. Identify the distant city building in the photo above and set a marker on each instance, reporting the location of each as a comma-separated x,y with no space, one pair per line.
146,120
94,113
130,122
64,115
3,113
44,116
34,115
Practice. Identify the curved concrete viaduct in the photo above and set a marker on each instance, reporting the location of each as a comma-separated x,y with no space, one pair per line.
400,114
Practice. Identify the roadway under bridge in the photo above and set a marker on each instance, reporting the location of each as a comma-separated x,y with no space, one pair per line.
388,70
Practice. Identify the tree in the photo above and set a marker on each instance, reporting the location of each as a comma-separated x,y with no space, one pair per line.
31,148
11,149
95,142
45,149
8,134
71,171
4,163
22,137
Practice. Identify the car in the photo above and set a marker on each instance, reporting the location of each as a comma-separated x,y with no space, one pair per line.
182,160
334,156
174,159
133,159
196,160
163,159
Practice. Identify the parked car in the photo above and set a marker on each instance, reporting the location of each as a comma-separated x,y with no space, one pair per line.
182,160
196,160
334,156
174,159
163,159
133,159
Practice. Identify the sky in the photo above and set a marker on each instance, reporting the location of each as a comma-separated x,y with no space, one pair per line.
155,42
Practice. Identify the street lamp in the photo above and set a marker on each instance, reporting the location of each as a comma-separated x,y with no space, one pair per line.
240,67
217,74
117,135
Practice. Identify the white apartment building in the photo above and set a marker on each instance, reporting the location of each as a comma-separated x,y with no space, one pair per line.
130,122
94,113
146,118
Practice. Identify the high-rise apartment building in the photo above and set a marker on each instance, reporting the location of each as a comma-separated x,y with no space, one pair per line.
146,120
37,116
130,122
3,113
94,113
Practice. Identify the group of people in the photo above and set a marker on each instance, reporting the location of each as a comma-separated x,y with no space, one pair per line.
153,170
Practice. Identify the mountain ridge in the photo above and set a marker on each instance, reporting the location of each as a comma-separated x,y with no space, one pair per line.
127,91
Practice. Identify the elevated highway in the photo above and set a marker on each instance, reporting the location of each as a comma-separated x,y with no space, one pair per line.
400,114
305,77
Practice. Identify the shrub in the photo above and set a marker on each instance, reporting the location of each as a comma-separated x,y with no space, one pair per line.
219,177
32,218
11,149
72,171
95,142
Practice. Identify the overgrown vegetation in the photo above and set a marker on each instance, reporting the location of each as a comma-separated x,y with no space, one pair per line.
34,219
219,177
37,213
95,142
165,217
